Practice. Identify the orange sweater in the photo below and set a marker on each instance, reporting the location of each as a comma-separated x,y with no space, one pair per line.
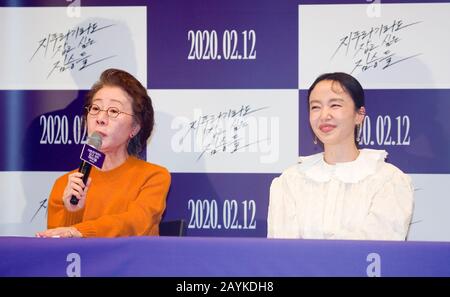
126,201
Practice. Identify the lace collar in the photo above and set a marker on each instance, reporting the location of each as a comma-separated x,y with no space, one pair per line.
315,167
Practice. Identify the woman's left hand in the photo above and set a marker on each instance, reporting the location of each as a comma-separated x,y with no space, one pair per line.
63,232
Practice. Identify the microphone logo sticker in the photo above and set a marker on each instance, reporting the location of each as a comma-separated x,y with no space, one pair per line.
92,156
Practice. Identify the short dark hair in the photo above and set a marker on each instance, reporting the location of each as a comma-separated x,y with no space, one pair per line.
141,104
350,85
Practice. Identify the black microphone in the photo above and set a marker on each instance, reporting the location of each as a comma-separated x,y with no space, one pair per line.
95,141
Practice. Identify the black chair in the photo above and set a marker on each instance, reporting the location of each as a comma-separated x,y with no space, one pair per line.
173,228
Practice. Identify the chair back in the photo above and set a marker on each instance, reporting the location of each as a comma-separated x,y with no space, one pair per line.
173,228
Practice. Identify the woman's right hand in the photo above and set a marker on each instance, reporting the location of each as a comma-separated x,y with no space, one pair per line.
76,187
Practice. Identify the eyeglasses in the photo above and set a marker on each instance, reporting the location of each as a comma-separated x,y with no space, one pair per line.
113,112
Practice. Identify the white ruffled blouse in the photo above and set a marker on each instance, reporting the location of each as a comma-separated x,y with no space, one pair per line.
363,199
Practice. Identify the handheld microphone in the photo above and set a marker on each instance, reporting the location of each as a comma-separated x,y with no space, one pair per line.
89,156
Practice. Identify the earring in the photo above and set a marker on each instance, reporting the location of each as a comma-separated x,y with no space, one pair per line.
315,139
131,135
358,130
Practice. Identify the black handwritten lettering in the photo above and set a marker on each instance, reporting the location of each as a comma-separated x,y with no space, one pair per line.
374,47
70,50
42,205
222,132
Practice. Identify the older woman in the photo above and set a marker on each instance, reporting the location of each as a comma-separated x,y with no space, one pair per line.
127,196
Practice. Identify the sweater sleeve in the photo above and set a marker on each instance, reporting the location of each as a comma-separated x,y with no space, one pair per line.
142,216
58,216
